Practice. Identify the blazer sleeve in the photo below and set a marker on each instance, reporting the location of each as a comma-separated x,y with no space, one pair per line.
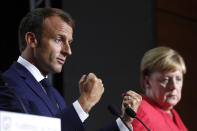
111,127
70,120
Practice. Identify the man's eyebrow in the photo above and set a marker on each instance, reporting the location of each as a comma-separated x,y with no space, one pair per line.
63,37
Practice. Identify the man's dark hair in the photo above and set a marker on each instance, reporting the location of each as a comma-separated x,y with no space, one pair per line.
33,22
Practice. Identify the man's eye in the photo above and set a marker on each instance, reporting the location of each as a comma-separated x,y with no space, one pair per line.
58,41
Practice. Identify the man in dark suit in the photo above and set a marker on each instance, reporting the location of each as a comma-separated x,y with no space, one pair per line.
45,35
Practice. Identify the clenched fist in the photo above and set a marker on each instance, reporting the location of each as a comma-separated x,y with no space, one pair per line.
91,89
130,99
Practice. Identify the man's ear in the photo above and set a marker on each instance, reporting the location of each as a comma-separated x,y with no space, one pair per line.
31,39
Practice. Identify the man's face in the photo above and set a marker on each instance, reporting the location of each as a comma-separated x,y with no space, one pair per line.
51,53
166,88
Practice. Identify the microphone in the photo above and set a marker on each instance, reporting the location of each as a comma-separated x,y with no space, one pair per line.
130,112
114,111
5,84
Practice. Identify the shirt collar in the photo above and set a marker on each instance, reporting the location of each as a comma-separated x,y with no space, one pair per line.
31,68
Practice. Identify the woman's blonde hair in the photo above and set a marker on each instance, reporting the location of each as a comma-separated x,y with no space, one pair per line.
161,59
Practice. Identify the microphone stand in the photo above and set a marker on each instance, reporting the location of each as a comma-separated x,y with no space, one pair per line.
130,112
4,83
113,110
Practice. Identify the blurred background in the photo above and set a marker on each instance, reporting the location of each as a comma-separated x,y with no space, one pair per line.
110,39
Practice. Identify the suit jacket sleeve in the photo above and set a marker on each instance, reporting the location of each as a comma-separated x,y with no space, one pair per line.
111,127
70,120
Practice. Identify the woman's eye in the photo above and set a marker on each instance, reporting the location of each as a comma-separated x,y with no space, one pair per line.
179,79
165,80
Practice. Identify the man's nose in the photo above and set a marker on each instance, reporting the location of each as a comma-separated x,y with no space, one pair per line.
66,49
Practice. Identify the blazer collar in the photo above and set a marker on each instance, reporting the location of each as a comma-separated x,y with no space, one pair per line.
35,86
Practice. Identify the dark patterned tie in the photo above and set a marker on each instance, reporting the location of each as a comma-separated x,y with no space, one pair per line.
48,88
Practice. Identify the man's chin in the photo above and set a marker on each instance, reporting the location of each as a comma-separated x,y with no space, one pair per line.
57,70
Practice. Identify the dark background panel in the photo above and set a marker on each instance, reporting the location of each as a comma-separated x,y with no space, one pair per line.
11,13
110,39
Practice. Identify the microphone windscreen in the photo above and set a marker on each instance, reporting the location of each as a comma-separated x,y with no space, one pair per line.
130,112
114,110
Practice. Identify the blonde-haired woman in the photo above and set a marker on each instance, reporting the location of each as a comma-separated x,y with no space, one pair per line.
162,71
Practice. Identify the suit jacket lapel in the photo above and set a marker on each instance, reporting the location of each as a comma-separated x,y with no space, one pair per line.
36,87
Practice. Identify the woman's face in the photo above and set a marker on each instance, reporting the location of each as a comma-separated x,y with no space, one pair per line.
165,88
